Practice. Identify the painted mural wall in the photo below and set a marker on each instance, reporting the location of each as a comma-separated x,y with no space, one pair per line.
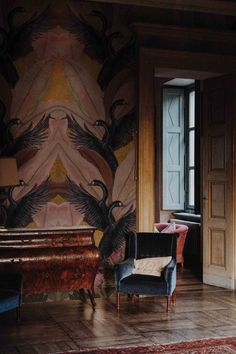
67,113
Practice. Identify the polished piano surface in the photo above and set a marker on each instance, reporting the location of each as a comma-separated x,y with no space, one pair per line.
51,259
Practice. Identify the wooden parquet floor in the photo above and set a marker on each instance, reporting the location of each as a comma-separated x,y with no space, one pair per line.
201,311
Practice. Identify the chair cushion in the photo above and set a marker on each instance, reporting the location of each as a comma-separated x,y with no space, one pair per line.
143,284
169,228
150,266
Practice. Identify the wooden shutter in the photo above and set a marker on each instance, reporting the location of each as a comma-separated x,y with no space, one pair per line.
173,149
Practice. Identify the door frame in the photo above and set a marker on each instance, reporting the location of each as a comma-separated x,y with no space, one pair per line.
166,63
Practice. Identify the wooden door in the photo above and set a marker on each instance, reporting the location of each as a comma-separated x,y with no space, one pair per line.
217,186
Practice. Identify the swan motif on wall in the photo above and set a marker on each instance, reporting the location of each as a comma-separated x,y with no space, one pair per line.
87,139
17,41
32,137
95,210
97,42
98,45
6,137
114,234
121,130
19,212
122,58
100,215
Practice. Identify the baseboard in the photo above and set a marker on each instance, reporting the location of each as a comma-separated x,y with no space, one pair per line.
219,281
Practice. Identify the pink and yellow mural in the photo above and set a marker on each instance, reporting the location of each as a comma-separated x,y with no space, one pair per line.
71,87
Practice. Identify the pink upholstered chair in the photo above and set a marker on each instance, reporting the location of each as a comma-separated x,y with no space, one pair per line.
182,230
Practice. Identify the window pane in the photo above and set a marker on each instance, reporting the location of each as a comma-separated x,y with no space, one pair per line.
192,109
191,188
191,148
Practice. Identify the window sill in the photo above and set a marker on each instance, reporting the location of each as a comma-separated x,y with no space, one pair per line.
187,216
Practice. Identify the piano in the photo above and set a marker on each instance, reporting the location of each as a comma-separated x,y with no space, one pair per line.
51,259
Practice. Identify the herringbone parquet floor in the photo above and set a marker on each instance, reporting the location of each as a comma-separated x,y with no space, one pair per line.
201,311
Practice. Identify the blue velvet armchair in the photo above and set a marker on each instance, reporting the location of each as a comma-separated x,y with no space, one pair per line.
10,293
147,245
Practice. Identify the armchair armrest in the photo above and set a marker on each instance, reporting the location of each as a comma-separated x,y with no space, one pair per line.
124,269
169,274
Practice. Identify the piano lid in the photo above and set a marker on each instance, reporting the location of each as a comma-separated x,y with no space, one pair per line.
54,230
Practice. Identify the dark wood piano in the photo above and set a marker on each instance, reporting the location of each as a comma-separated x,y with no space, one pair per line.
51,260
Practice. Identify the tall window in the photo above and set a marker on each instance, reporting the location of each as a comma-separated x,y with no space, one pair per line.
178,149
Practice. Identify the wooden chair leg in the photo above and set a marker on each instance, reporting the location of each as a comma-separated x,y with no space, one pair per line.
173,297
168,298
118,301
90,293
18,314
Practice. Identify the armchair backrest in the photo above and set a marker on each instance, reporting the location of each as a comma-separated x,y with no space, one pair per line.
150,244
11,281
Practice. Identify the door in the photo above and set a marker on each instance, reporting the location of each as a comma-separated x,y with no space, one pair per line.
217,186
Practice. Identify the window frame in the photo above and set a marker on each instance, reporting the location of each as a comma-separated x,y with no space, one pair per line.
187,168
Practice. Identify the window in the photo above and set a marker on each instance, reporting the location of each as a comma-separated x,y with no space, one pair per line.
180,177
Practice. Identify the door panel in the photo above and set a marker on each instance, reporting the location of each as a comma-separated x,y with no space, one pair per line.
218,181
217,243
217,200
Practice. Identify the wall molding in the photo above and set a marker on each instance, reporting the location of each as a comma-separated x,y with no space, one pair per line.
186,60
222,7
203,34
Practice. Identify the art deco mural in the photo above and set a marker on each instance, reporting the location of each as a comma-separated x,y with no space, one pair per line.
67,113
